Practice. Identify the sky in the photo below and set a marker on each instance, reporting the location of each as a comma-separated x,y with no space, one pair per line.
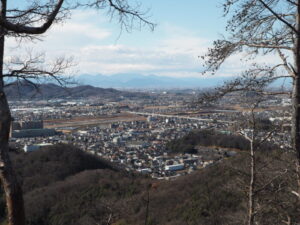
184,31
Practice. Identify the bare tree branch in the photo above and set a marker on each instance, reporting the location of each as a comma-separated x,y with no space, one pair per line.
279,17
17,28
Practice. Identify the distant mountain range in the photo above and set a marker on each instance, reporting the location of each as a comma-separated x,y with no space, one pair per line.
50,91
136,81
105,86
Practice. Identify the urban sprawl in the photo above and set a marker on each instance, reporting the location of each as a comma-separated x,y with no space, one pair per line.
134,132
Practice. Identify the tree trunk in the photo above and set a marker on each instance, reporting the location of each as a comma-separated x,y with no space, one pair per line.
296,98
251,207
12,189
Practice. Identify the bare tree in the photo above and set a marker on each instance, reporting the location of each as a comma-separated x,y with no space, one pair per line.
250,131
250,136
259,28
29,22
251,126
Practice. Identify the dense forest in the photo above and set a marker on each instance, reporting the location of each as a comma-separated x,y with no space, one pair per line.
63,185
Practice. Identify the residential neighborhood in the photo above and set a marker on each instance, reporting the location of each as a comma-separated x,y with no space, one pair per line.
134,135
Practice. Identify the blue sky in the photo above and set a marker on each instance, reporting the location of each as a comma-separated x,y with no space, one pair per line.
185,29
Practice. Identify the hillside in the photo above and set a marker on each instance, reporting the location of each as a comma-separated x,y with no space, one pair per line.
52,91
63,185
207,138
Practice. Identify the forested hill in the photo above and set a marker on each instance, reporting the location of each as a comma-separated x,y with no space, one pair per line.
63,185
52,91
189,142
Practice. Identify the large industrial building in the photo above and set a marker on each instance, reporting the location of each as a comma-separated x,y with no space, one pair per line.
24,125
33,133
26,129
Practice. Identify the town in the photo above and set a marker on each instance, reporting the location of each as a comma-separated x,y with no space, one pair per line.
134,133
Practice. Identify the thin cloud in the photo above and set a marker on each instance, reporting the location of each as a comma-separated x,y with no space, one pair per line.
87,38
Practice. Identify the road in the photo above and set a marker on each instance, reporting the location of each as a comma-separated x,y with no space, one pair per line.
178,117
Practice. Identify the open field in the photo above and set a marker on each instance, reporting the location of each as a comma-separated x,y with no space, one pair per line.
87,121
270,108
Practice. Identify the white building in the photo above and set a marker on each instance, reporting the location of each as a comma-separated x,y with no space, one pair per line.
32,148
174,167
